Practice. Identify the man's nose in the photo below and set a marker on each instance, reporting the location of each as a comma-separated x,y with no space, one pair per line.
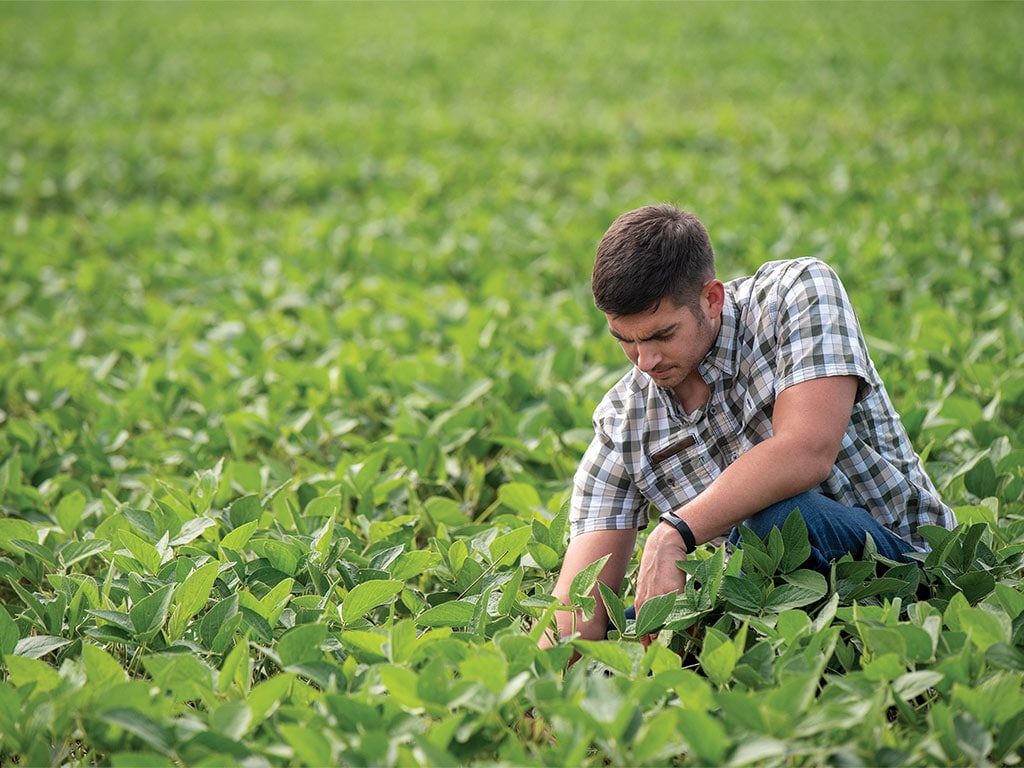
647,357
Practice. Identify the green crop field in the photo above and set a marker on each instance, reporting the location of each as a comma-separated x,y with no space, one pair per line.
298,355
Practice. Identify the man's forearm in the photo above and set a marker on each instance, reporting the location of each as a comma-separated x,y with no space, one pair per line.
809,422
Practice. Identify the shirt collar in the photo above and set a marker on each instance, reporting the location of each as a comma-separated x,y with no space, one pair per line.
720,361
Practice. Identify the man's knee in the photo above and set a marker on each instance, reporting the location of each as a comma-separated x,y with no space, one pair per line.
775,515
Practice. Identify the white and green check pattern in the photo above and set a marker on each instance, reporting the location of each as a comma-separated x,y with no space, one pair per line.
790,322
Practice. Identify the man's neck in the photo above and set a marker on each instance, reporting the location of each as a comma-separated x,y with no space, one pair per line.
693,392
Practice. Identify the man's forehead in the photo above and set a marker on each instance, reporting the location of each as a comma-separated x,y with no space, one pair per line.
642,325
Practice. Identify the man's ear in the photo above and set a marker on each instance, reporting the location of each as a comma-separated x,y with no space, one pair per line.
713,297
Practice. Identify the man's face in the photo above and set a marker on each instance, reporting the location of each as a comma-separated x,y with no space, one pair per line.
668,342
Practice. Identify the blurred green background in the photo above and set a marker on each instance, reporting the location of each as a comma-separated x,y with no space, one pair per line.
286,229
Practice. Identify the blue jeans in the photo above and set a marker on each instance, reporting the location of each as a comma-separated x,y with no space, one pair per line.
834,530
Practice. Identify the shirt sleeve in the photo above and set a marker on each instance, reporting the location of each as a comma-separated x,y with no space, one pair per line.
603,495
817,331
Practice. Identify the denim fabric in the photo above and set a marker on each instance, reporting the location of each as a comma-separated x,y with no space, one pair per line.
833,529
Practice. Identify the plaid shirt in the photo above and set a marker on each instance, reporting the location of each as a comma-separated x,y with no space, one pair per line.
790,322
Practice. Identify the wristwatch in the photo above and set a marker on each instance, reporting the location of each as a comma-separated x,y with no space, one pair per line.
684,530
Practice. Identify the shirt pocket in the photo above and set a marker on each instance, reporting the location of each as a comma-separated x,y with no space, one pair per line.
674,474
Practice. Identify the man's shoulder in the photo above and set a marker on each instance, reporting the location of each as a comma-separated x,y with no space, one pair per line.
623,397
782,270
775,279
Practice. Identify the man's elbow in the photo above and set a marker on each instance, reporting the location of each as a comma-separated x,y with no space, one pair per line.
816,468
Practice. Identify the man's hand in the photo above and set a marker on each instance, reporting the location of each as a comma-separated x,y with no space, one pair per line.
659,573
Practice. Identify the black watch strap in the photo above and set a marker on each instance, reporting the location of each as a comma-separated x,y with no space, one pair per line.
684,530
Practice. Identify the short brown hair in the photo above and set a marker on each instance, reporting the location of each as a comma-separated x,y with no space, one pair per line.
649,254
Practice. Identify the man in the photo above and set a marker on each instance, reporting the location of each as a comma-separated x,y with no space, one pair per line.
745,400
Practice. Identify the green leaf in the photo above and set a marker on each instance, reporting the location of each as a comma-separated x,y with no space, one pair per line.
31,547
69,511
9,634
607,652
705,735
182,675
231,719
216,618
653,612
27,670
268,694
117,618
743,593
150,613
191,595
510,593
141,550
236,539
246,509
37,646
913,684
506,549
583,583
364,597
301,644
455,613
102,670
794,538
718,657
803,588
12,529
153,733
411,564
284,556
545,557
76,551
985,627
613,605
520,498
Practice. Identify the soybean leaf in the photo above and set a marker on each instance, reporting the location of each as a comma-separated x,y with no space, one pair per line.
583,583
150,613
456,613
613,605
742,592
9,634
69,511
151,731
37,646
508,547
803,588
75,551
797,545
237,538
12,529
519,497
364,597
246,509
191,595
301,644
217,617
652,613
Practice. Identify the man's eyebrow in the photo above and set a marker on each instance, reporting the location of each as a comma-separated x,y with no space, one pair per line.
660,333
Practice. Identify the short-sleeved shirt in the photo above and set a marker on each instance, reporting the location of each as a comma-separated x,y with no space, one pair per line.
790,322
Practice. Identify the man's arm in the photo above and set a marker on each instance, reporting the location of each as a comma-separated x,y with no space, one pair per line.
583,550
808,424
